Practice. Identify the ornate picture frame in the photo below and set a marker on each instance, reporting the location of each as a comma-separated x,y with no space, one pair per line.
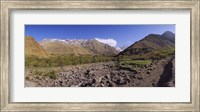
7,6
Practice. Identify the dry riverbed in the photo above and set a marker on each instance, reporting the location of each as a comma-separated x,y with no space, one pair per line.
160,73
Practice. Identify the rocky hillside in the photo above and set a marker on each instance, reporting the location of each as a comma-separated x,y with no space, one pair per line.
151,42
56,47
169,36
93,47
32,48
99,48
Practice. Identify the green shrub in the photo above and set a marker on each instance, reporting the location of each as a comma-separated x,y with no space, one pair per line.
162,53
154,54
133,64
51,75
27,78
63,60
136,62
38,73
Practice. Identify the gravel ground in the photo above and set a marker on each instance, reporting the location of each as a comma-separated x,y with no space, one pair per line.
160,73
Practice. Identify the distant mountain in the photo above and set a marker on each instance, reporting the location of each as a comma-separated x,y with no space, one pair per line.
170,36
151,42
92,46
32,48
121,48
60,47
99,48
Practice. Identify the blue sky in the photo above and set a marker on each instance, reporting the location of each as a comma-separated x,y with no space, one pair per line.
122,34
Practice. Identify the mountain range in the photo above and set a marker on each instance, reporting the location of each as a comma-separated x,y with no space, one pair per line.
93,47
151,42
47,47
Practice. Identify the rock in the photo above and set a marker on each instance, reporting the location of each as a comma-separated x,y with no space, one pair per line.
93,85
112,73
148,72
121,82
137,76
60,82
79,84
72,71
87,70
140,78
100,78
91,81
102,85
98,85
108,75
150,68
128,80
109,84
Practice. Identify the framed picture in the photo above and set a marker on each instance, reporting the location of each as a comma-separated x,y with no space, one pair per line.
62,55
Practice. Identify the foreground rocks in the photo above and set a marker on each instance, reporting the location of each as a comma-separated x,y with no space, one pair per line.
105,74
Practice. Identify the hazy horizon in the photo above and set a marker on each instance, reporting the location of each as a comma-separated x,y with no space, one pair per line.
114,35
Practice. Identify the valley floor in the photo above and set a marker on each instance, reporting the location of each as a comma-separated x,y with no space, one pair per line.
160,73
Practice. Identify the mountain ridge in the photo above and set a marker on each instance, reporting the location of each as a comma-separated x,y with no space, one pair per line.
151,42
32,48
93,46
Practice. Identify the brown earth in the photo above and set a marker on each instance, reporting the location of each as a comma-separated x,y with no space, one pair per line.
32,48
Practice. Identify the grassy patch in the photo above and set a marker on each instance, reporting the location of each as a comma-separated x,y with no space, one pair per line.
37,74
51,75
27,78
154,54
133,64
162,53
63,60
136,62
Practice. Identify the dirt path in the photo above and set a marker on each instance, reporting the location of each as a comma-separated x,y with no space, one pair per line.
158,74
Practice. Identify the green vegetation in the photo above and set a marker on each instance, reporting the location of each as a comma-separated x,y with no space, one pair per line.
27,78
38,74
136,62
63,60
162,53
155,54
133,64
51,75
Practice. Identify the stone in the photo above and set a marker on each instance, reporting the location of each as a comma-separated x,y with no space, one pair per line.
122,82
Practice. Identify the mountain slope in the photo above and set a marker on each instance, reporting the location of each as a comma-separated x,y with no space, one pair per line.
151,42
32,48
99,48
93,47
56,47
169,36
